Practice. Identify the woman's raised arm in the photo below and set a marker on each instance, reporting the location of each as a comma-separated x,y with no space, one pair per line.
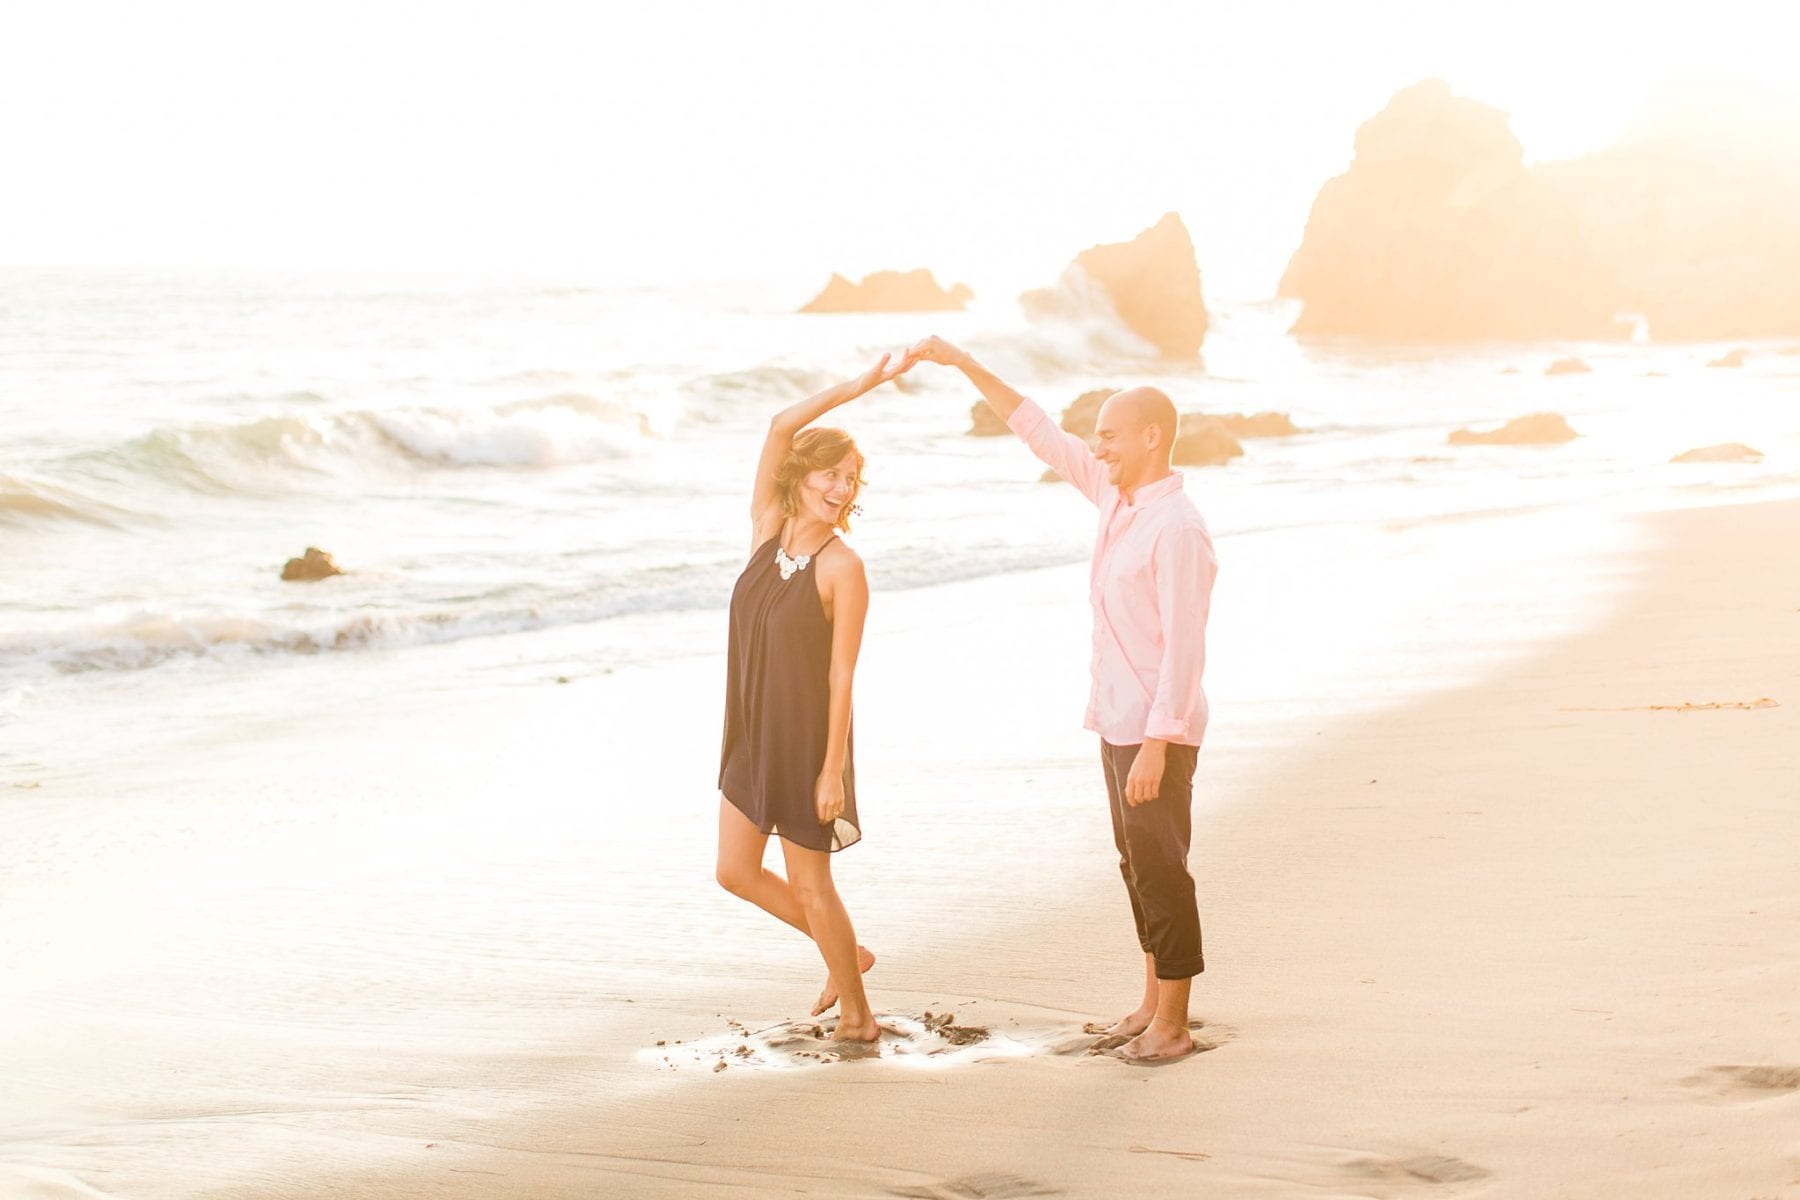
791,420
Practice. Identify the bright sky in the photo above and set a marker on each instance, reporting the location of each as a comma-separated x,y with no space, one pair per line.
989,141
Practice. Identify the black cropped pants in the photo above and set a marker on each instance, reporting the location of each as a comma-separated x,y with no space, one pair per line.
1153,850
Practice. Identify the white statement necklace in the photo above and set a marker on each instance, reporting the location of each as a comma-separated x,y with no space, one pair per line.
789,565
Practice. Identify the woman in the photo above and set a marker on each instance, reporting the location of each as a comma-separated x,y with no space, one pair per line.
796,626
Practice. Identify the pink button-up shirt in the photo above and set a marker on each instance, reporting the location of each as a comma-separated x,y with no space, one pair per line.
1151,586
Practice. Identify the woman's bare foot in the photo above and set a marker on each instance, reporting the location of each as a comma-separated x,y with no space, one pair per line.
865,1030
1159,1043
1127,1026
865,958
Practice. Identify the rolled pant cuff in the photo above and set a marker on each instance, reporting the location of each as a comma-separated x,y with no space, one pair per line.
1180,968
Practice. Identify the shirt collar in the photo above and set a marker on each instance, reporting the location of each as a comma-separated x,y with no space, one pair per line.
1168,485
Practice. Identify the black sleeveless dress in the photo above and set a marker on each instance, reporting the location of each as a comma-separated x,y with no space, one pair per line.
778,705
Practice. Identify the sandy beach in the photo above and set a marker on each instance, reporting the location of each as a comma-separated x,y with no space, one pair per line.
1535,938
1533,935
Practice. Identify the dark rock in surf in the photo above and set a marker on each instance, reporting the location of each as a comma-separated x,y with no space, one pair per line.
1204,442
314,565
985,422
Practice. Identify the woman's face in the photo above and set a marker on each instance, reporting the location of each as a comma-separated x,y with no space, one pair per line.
825,492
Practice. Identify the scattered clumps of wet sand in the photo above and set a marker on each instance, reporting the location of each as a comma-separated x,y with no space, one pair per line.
929,1040
943,1024
810,1043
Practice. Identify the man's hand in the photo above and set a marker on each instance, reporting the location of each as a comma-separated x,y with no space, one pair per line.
935,349
828,796
1145,781
1000,397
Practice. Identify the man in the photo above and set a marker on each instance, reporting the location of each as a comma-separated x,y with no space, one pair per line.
1150,587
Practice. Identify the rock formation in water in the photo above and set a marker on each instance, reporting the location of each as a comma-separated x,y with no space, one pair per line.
889,291
1729,452
1538,429
1079,418
1204,442
1201,432
1567,366
1694,215
985,422
1257,425
314,565
1152,282
1439,231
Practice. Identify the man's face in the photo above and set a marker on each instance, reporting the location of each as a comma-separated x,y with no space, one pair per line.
1122,440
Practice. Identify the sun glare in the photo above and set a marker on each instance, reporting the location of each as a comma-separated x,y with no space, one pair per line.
692,141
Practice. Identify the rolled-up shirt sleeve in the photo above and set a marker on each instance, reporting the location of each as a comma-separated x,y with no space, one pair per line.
1062,451
1185,567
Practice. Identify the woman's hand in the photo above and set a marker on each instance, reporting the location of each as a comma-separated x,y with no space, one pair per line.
882,373
935,349
828,796
795,417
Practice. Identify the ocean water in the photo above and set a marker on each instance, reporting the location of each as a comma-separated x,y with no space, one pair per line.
489,458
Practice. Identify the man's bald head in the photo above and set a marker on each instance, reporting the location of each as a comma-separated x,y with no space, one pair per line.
1134,435
1141,408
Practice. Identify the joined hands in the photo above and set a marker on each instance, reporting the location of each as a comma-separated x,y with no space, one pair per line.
933,349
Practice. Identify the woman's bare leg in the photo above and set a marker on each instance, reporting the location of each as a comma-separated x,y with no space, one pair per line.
828,995
809,877
740,872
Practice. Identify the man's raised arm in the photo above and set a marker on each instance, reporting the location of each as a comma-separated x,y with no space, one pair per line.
1065,453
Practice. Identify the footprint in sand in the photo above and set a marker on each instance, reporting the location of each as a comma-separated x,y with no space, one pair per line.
1746,1083
1420,1168
976,1187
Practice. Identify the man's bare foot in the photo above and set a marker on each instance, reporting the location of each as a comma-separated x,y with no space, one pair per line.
865,958
1127,1026
1157,1044
865,1030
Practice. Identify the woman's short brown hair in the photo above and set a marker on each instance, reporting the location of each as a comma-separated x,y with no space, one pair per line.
813,450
